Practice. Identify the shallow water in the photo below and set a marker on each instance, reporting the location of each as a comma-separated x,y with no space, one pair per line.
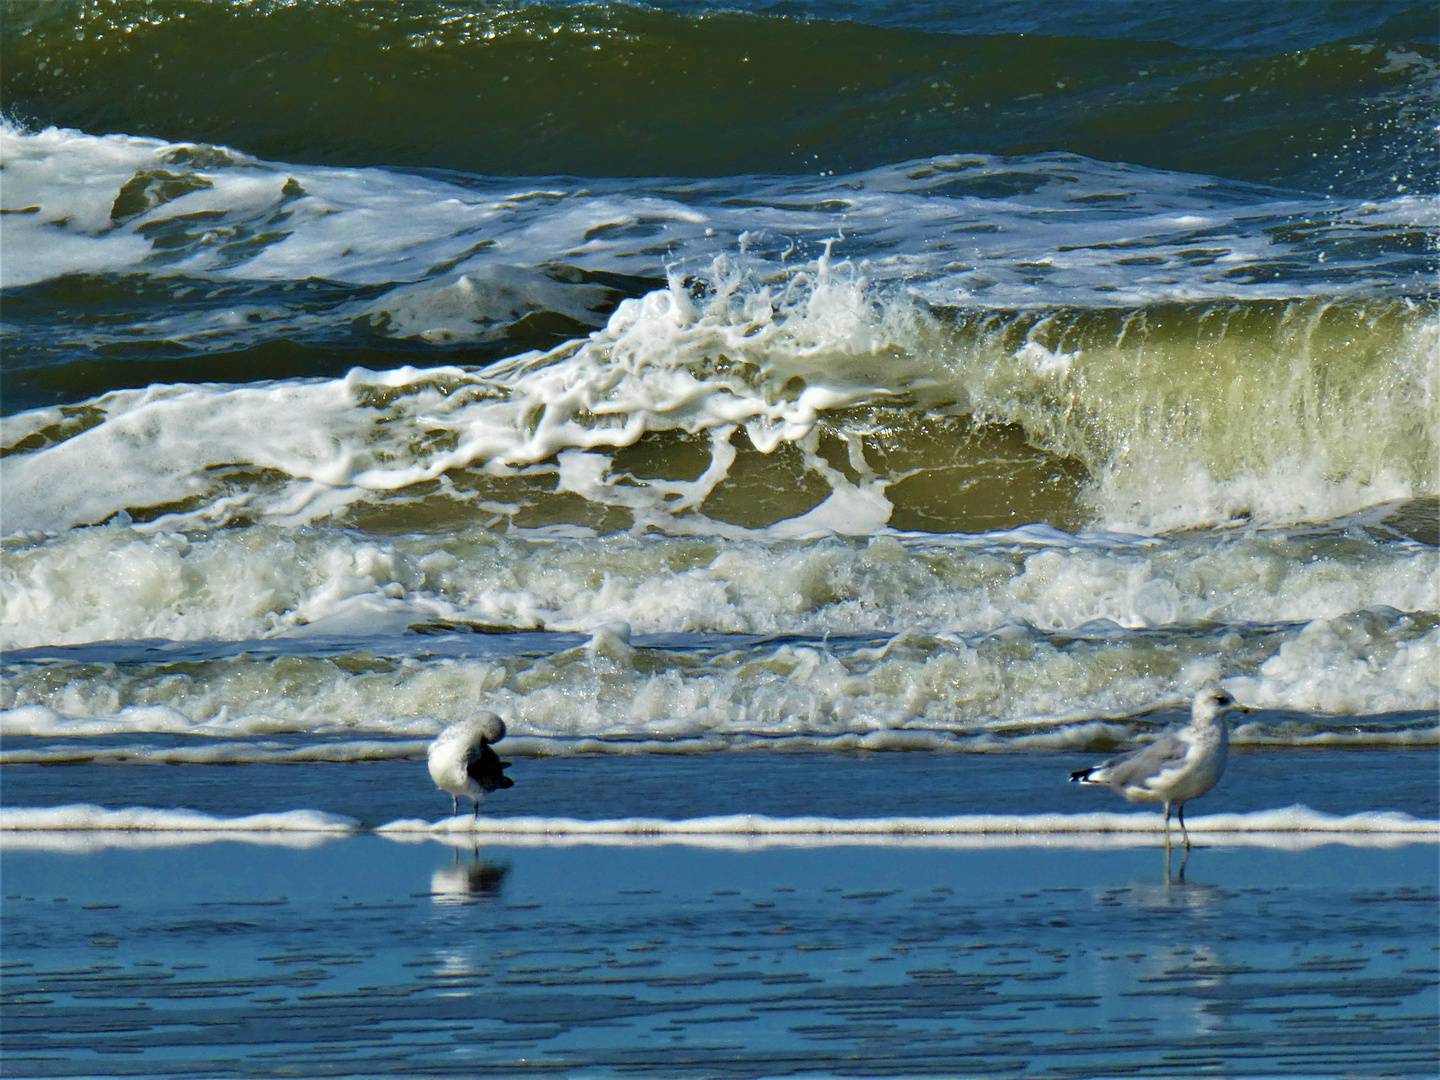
783,785
364,955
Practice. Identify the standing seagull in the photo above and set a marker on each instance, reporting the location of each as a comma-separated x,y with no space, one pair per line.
1181,764
462,763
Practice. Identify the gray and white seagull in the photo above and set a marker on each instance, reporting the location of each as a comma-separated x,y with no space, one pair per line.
463,763
1181,764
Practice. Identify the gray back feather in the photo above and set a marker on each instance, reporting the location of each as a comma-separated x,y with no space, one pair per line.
1164,753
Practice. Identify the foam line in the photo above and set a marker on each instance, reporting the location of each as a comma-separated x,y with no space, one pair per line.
1292,819
83,828
1075,841
83,817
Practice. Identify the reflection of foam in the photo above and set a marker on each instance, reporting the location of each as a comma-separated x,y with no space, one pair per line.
86,841
1293,828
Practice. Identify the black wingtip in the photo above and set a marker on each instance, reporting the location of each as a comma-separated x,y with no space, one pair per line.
1080,774
487,770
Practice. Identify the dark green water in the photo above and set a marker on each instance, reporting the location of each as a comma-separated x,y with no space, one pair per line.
622,90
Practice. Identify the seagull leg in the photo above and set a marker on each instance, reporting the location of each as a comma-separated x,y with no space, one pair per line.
477,809
1183,831
1167,826
454,806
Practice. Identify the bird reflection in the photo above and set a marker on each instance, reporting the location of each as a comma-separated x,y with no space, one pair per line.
1178,877
1178,892
465,882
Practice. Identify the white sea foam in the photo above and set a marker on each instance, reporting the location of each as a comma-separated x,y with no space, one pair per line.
1348,664
1016,687
239,584
1294,827
82,817
84,828
41,720
1289,819
914,221
1081,841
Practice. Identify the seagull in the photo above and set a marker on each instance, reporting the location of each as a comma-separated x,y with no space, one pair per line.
1181,764
462,763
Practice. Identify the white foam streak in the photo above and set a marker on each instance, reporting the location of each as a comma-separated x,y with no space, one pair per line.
82,817
83,828
1293,828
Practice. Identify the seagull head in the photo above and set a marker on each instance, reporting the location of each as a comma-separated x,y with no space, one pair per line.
489,727
1211,702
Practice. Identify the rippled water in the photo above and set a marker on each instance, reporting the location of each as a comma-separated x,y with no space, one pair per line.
679,961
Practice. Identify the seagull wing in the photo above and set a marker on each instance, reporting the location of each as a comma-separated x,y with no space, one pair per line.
1135,768
487,770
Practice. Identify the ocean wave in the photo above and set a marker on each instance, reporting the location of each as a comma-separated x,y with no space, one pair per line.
626,89
194,233
817,361
1096,736
769,417
1361,679
273,582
